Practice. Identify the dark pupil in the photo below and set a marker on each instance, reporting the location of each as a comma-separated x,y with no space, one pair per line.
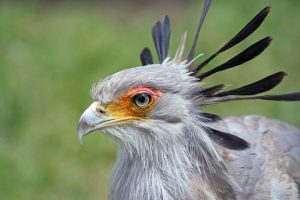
142,99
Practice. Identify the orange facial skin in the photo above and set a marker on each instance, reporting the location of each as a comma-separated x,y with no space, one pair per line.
123,107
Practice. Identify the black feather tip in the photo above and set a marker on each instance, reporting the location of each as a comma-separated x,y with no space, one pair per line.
206,4
209,118
242,35
207,92
146,57
257,87
246,55
227,140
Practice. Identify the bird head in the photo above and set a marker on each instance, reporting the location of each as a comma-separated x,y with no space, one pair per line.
159,102
156,98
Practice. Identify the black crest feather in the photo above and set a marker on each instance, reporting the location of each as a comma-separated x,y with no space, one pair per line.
211,90
257,87
161,37
242,35
246,55
278,97
227,140
161,33
206,4
146,57
166,34
209,117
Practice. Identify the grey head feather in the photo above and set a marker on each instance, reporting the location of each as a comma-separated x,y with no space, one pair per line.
167,77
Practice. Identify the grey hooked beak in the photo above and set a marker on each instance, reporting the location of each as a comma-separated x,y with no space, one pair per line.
91,120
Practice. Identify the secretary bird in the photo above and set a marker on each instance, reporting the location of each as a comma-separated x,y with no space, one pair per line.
168,149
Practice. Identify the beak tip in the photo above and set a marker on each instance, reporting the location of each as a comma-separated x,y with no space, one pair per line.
83,129
82,125
80,139
80,135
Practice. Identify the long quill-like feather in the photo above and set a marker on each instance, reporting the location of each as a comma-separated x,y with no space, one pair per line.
242,35
206,4
257,87
248,54
227,140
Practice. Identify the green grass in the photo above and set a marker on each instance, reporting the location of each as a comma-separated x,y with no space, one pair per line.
51,54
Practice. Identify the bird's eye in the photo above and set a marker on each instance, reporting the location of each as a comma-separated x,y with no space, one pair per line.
141,99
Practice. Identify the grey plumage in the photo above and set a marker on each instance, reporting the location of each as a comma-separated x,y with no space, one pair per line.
169,150
270,168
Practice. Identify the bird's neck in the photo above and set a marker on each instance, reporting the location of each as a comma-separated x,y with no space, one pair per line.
186,170
161,178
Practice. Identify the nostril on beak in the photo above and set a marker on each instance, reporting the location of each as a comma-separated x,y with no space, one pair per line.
100,110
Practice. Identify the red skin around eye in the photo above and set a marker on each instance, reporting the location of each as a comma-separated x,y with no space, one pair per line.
153,92
123,106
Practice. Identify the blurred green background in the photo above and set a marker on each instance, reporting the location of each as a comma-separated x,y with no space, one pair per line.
51,52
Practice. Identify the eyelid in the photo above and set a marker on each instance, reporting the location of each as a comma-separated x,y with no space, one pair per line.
141,92
151,91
